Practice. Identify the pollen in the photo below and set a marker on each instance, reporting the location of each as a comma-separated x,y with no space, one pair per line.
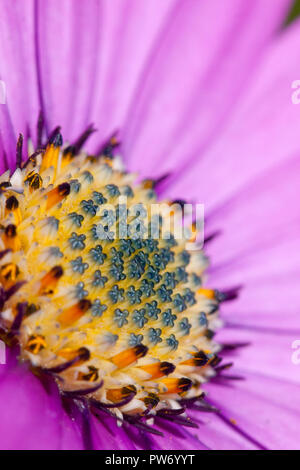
91,295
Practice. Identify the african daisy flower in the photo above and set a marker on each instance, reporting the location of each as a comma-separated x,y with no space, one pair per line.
134,341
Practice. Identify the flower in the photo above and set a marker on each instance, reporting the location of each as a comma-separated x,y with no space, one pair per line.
201,115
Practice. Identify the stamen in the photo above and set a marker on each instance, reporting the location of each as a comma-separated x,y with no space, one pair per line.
12,205
75,148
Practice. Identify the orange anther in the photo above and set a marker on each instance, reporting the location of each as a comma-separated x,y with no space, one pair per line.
11,239
158,369
74,313
199,359
35,344
127,357
209,293
118,394
51,154
50,280
177,385
57,194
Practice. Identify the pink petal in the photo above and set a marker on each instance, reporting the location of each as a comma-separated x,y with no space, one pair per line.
193,79
67,43
18,71
129,31
85,59
217,435
268,353
258,135
263,408
259,249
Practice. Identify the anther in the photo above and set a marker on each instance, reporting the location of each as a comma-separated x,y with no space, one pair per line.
51,154
129,356
208,293
107,150
57,194
199,359
12,205
35,344
151,400
34,181
153,183
118,394
53,135
158,369
91,376
74,313
50,280
75,357
10,238
9,272
176,385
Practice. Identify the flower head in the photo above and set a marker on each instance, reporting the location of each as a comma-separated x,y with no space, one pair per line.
65,311
123,331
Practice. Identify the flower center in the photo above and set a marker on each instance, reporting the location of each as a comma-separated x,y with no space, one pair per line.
94,297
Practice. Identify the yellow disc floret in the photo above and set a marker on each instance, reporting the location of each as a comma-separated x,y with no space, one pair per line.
92,294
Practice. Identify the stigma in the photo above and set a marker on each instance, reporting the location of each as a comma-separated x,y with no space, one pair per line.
90,294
